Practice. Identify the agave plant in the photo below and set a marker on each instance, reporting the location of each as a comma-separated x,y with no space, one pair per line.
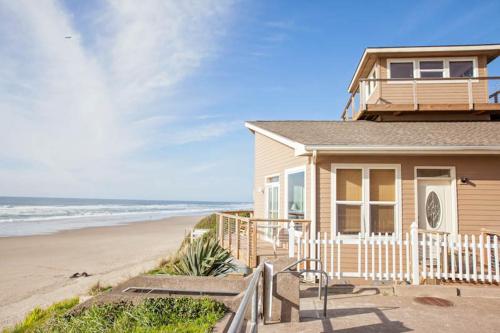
204,257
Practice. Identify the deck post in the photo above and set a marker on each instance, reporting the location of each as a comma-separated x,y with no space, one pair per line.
221,230
249,242
237,229
254,245
291,240
415,270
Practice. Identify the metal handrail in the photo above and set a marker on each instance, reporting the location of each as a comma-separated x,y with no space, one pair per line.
250,293
320,271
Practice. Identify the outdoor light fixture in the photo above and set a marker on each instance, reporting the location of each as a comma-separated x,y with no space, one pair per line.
464,180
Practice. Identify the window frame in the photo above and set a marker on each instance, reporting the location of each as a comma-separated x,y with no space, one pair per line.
266,195
366,203
446,69
292,171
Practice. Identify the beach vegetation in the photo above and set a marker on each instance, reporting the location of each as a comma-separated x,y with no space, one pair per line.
98,288
38,316
204,257
180,315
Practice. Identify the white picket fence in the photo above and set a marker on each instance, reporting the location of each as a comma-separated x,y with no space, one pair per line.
412,257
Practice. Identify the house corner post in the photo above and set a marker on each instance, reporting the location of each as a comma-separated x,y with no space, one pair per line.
415,269
314,228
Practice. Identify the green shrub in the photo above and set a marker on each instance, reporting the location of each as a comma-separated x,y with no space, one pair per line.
153,315
38,316
204,257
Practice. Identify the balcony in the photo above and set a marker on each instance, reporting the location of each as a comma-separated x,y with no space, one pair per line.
379,97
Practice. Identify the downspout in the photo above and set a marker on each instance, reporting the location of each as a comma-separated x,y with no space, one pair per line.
314,229
313,194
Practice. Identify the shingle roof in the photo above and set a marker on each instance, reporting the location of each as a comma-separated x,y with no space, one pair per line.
397,134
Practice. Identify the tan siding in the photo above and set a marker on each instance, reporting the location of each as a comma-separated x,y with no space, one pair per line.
478,203
428,93
272,157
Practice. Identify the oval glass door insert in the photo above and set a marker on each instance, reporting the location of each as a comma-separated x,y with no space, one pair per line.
433,209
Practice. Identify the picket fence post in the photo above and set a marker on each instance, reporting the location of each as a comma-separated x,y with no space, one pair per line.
415,270
291,240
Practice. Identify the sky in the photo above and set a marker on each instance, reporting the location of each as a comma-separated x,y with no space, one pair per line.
147,99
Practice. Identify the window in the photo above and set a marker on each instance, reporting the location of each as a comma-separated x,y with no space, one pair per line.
433,173
296,194
272,197
349,200
401,70
461,69
382,200
366,199
431,69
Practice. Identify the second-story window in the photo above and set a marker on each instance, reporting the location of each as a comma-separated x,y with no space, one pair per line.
401,70
461,69
431,69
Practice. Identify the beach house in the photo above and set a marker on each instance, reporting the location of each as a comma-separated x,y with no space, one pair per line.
417,143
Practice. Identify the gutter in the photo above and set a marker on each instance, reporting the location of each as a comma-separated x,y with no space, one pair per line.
399,150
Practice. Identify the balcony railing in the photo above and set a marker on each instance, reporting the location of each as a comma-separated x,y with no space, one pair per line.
429,94
248,237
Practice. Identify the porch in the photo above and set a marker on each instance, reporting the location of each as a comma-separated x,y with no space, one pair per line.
415,257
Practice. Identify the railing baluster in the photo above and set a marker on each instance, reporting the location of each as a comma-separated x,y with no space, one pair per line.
372,242
332,266
467,268
445,254
424,256
474,257
379,243
408,272
431,256
359,254
459,257
393,241
452,254
481,256
325,249
338,256
438,256
488,256
497,273
386,243
366,255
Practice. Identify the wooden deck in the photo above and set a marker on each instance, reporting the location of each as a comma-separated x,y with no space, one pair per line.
245,237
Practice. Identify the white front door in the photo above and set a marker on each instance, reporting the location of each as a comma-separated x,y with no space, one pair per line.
435,205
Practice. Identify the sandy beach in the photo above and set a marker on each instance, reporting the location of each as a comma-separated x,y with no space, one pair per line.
35,270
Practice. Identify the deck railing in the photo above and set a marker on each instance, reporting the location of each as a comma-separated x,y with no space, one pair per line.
414,257
248,237
410,94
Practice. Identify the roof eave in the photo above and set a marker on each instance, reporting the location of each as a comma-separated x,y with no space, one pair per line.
402,150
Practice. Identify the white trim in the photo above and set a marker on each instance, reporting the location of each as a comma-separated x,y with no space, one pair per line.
365,202
446,69
385,50
293,144
453,189
288,172
266,186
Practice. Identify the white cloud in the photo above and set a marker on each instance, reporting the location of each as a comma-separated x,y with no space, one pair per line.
73,111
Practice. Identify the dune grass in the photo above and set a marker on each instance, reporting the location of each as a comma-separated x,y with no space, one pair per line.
167,266
179,315
38,316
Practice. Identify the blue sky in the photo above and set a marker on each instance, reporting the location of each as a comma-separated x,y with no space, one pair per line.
147,99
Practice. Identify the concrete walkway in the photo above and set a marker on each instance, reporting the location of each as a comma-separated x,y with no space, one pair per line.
370,311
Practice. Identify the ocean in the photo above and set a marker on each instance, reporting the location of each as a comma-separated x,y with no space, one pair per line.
23,216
